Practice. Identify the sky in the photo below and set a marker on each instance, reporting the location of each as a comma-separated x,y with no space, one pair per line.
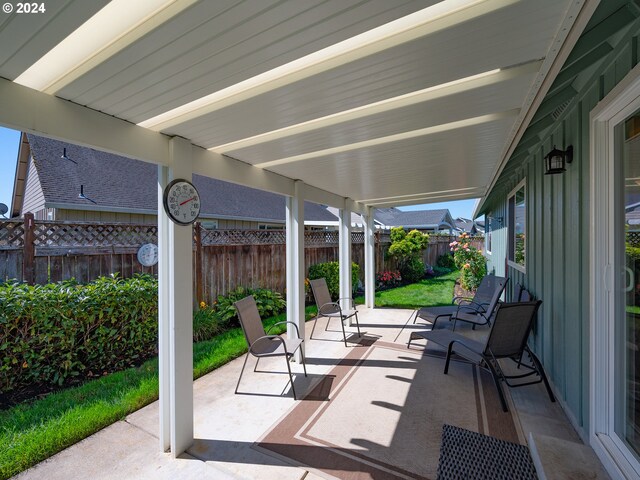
10,139
9,142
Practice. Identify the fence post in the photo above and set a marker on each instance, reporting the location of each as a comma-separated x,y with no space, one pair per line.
198,272
28,250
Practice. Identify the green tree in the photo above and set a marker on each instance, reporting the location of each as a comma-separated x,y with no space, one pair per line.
407,249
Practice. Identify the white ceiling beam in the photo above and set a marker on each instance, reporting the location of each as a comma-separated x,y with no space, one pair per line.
432,19
467,122
31,111
28,110
428,94
370,201
426,199
114,27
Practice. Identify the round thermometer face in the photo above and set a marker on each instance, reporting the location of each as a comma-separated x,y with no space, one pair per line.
182,202
148,254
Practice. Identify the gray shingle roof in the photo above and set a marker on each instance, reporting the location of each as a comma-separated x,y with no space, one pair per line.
412,219
115,181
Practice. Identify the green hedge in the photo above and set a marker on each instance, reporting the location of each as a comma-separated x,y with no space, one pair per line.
52,333
331,272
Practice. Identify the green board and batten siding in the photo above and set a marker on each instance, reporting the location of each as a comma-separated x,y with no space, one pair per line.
557,206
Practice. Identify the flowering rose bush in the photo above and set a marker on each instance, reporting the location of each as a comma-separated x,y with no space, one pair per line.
470,261
388,279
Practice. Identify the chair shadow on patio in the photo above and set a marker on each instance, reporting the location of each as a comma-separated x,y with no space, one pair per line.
378,414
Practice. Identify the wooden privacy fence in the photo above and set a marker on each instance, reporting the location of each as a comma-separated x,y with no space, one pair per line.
49,251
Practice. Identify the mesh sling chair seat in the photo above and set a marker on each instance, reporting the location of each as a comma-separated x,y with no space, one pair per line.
507,338
261,344
478,304
329,309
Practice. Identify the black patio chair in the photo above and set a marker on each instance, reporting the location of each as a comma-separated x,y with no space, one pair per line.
488,292
261,344
507,339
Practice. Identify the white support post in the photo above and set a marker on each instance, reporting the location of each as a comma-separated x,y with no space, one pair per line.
163,314
369,260
180,293
295,262
345,256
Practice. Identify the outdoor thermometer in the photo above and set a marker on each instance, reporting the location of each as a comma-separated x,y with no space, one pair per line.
181,202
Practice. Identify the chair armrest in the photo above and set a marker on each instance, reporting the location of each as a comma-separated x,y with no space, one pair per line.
353,303
270,338
459,298
280,323
472,307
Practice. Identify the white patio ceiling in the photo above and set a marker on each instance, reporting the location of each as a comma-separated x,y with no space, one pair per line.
384,102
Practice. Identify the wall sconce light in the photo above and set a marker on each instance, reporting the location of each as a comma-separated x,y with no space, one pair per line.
556,160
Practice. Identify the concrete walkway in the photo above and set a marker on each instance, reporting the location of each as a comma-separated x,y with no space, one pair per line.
227,425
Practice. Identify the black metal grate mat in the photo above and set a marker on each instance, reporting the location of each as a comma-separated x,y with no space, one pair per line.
472,456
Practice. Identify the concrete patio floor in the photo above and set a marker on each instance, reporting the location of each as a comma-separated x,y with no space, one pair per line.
227,426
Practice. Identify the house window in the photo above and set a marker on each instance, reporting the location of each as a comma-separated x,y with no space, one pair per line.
517,227
209,224
487,234
270,226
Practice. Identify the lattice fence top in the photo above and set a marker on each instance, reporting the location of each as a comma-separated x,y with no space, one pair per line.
243,237
633,238
95,235
49,233
11,234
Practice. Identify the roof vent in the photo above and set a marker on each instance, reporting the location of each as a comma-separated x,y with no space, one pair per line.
560,109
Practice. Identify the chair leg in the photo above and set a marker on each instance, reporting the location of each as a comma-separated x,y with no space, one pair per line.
344,334
255,369
497,381
304,364
538,364
293,388
358,325
314,327
241,372
446,363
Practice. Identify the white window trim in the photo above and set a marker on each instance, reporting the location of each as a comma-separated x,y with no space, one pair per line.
621,102
488,233
512,263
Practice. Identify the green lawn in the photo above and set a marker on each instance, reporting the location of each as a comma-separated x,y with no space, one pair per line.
429,292
33,431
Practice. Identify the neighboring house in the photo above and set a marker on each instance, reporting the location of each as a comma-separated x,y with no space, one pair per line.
472,227
431,221
567,237
125,190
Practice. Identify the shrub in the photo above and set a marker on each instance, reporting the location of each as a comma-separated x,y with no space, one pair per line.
330,271
388,279
413,270
470,261
446,261
407,249
206,323
269,303
52,333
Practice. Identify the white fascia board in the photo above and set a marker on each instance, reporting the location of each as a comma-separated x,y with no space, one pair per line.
31,111
99,208
321,197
